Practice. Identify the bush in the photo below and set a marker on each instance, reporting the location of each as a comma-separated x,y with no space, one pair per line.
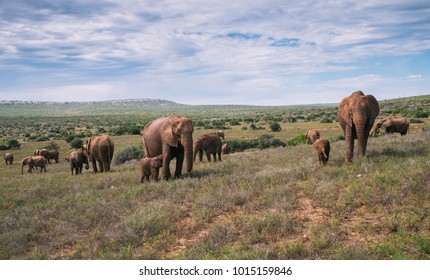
129,153
242,145
326,120
266,141
416,121
275,127
297,140
13,144
76,143
52,146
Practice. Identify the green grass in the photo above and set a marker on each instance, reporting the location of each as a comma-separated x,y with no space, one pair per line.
259,204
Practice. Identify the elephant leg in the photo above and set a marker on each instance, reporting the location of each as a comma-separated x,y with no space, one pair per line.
180,155
208,156
94,164
349,144
214,154
101,166
201,155
219,155
167,157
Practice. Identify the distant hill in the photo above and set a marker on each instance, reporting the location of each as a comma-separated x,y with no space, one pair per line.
408,106
111,107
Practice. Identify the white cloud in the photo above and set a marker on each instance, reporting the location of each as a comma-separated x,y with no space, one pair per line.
236,47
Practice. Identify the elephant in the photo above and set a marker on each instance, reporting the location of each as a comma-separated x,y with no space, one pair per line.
48,154
312,135
99,149
356,115
322,146
150,167
225,149
220,133
209,143
391,125
34,161
8,158
171,137
76,160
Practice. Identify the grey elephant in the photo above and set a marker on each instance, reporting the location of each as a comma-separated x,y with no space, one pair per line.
150,167
77,159
356,115
391,125
49,154
8,158
322,146
312,135
99,149
211,144
171,137
34,161
220,133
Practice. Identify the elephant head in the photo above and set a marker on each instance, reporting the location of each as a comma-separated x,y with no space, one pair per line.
26,161
356,115
179,131
375,128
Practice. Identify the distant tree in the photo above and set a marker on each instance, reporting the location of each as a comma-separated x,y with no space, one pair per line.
76,143
275,127
52,146
13,144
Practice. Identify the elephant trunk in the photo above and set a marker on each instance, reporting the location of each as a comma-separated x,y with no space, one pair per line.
360,129
187,142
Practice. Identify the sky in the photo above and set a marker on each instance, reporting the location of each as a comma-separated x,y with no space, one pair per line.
262,52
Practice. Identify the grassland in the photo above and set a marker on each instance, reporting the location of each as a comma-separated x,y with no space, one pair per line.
260,204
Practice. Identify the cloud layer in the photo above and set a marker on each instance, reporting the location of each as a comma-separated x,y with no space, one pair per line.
268,52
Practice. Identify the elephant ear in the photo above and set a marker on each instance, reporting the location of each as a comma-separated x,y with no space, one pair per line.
168,133
374,107
87,146
344,112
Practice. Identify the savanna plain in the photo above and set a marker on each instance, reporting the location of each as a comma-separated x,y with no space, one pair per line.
268,199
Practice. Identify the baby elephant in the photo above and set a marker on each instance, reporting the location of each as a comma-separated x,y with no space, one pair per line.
8,158
150,167
322,146
35,161
77,160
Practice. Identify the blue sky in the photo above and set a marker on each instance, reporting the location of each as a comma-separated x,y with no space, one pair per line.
268,52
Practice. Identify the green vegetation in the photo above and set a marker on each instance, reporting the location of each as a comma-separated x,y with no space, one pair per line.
271,201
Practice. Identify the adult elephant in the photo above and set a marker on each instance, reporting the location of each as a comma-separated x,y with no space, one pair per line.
99,149
34,161
171,137
391,125
49,154
211,144
356,114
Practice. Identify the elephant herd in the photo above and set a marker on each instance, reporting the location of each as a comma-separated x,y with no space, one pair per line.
172,137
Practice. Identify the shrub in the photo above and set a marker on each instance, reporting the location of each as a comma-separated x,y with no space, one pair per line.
76,143
297,140
326,120
416,121
129,153
266,141
13,144
242,145
52,146
275,127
